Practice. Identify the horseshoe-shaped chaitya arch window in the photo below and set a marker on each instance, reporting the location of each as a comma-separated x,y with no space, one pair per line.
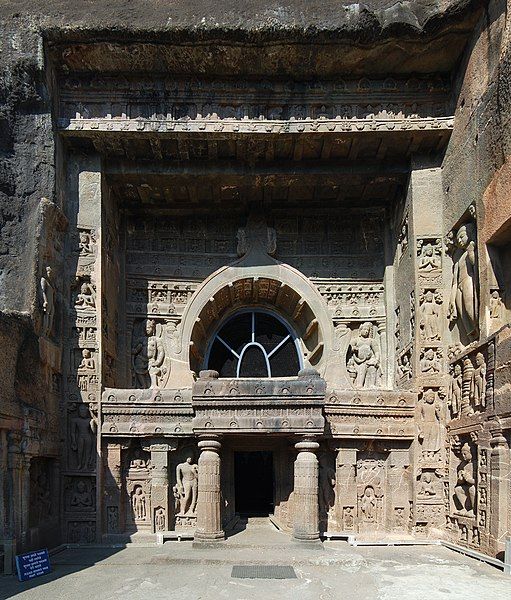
254,343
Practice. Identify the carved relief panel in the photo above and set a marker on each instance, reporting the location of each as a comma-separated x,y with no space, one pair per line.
371,484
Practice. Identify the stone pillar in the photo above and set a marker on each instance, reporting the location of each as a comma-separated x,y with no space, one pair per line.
500,464
160,486
25,500
209,513
306,509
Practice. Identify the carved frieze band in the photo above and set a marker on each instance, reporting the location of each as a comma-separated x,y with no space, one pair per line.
256,126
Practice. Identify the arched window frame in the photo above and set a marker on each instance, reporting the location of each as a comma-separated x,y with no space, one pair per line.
292,334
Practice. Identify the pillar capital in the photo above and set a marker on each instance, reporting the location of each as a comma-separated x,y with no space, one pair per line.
210,442
307,446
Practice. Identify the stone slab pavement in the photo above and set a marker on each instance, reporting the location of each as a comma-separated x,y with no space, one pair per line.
335,570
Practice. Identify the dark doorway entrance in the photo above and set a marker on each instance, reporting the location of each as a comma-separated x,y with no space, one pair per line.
253,483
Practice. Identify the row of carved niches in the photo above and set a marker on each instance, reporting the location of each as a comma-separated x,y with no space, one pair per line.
155,342
363,490
144,501
471,381
345,299
158,297
366,360
190,248
357,98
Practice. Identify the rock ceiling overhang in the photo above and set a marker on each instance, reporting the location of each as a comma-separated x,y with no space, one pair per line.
315,38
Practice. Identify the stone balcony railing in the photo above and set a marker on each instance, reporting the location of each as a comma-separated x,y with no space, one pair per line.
287,405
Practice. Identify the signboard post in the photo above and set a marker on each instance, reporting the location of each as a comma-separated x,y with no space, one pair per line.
32,564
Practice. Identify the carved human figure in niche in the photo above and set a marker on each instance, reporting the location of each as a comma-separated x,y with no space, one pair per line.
43,498
87,363
348,517
138,462
430,361
81,496
429,258
430,433
187,475
82,438
86,298
159,519
430,317
112,519
495,305
364,362
85,244
465,490
148,355
455,388
427,484
403,237
138,502
463,302
368,504
400,516
177,499
172,333
478,384
326,487
404,368
48,292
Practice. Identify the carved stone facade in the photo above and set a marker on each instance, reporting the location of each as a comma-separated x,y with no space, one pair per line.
253,295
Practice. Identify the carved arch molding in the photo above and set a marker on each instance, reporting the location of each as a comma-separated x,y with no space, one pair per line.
264,292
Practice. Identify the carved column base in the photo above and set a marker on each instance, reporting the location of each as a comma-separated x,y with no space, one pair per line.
306,509
209,513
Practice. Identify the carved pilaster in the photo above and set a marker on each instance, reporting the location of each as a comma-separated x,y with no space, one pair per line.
160,486
306,513
500,464
113,506
346,488
209,514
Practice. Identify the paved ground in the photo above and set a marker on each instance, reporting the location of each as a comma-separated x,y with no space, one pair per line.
177,571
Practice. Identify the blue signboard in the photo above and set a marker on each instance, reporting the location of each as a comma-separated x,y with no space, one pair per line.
32,564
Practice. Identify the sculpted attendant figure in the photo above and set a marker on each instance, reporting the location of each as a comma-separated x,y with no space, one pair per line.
429,427
82,438
368,504
139,504
148,355
465,490
455,390
187,482
430,315
478,383
463,303
48,301
364,363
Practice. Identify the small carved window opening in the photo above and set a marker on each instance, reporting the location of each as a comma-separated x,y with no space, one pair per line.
254,343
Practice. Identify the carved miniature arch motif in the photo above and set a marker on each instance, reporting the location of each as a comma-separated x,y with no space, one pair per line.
252,293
